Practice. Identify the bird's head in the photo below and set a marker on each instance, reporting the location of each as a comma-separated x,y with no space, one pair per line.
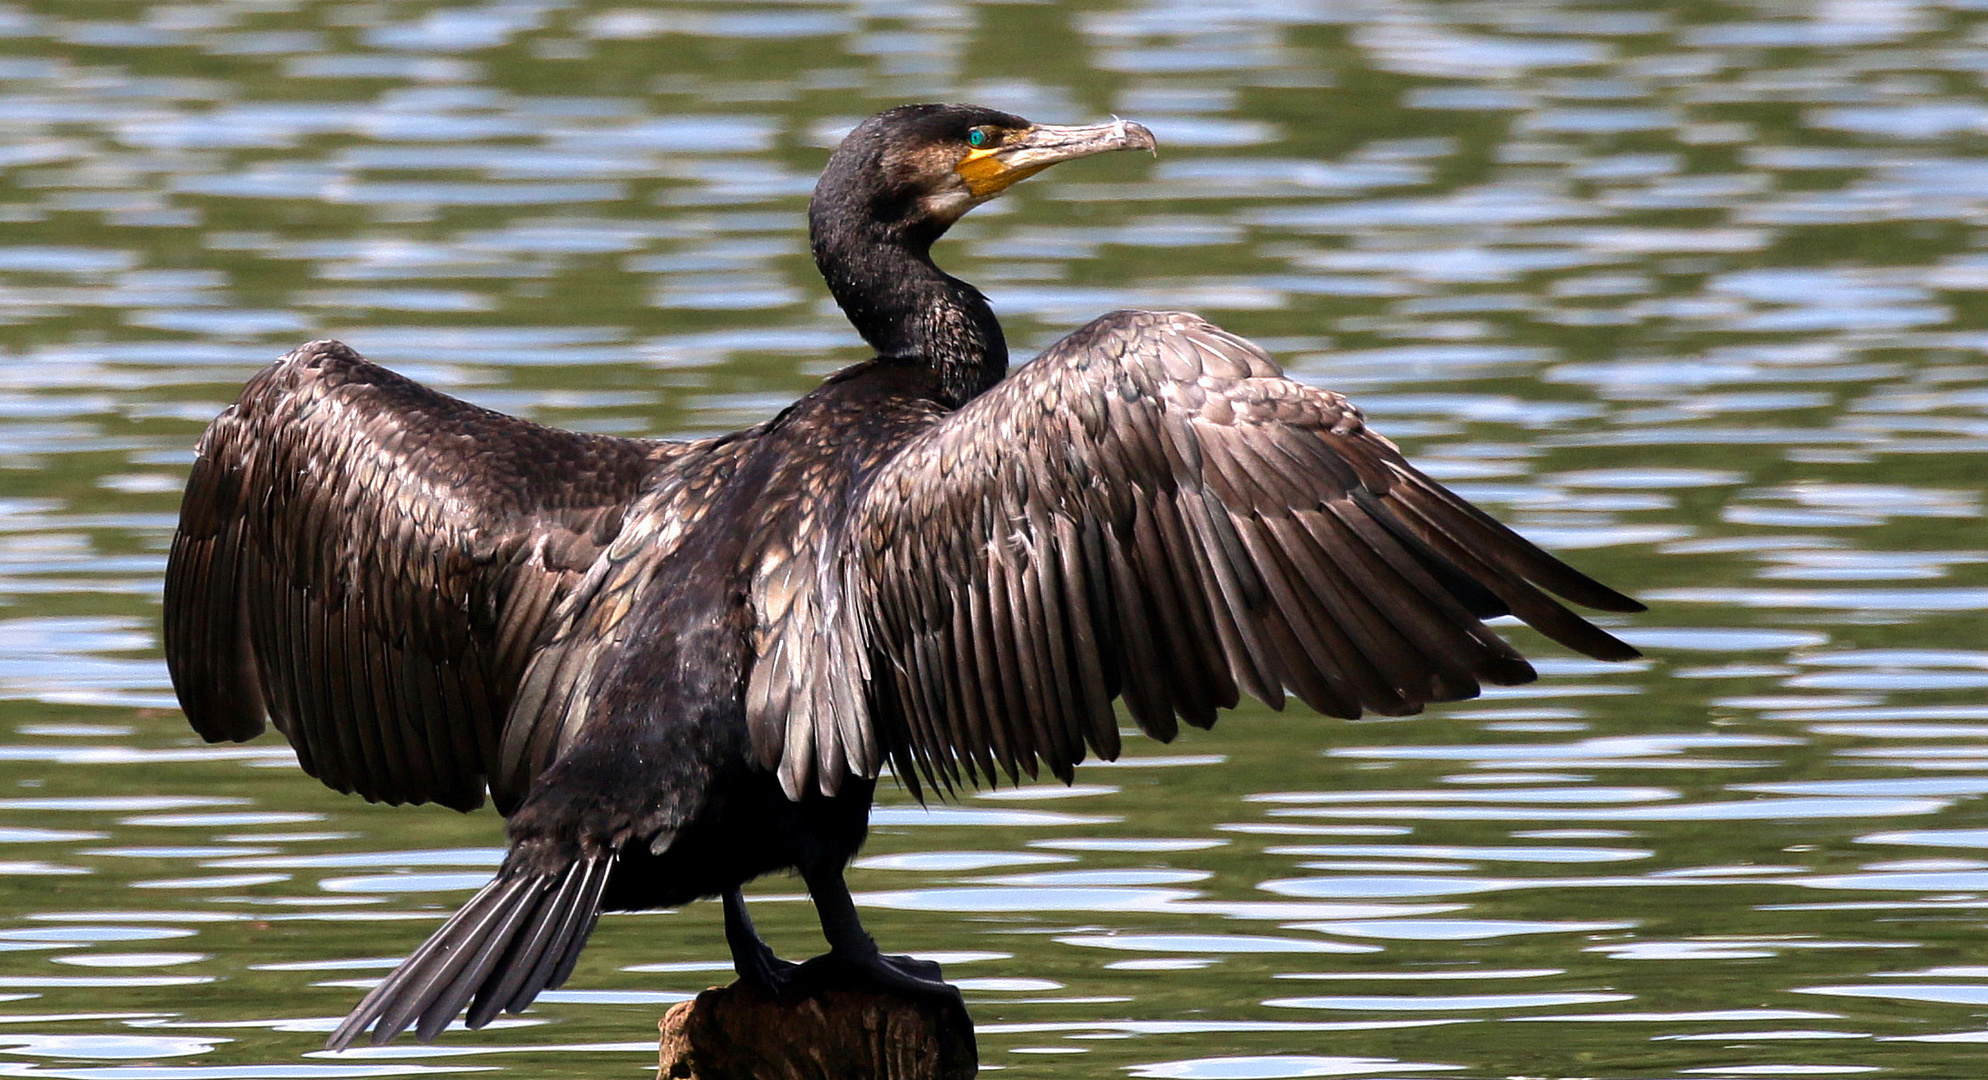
916,168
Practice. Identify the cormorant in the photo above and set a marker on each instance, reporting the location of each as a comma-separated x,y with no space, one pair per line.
679,666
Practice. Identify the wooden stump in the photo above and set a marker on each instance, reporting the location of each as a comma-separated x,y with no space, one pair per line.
731,1033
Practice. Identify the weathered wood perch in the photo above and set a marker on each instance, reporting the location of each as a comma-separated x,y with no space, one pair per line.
732,1033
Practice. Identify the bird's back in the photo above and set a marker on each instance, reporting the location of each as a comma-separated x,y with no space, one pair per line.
717,588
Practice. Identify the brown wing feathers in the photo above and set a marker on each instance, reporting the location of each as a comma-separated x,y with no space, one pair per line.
368,562
1151,511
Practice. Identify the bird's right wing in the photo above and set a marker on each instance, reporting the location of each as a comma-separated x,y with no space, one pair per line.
1150,509
367,563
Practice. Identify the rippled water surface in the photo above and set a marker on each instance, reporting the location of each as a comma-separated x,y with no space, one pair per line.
1692,294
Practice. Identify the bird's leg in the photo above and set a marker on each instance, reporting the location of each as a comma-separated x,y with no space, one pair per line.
751,957
853,953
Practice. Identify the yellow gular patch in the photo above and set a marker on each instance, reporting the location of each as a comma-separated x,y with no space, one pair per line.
986,175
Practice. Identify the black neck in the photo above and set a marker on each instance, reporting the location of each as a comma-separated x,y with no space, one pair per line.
883,276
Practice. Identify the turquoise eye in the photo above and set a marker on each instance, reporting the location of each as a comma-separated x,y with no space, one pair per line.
977,137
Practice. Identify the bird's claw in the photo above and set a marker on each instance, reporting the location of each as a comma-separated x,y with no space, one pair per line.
906,975
766,973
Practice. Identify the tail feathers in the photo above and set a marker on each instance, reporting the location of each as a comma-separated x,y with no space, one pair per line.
519,935
547,946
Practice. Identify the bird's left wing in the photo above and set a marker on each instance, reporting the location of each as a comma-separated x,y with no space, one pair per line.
1152,510
368,563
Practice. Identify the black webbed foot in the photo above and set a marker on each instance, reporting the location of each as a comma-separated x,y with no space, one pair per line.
853,959
752,958
873,970
766,973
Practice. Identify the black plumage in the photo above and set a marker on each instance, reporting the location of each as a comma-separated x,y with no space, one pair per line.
678,666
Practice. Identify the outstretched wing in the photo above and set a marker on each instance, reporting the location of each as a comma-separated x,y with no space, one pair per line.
1152,510
367,563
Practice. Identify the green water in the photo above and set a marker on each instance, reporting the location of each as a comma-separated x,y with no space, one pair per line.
1693,295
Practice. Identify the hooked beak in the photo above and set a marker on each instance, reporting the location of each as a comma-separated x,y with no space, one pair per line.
1024,153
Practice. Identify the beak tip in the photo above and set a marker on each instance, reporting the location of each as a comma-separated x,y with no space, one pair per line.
1138,136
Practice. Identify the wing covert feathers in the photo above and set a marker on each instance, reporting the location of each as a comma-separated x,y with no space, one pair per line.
368,563
1150,510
